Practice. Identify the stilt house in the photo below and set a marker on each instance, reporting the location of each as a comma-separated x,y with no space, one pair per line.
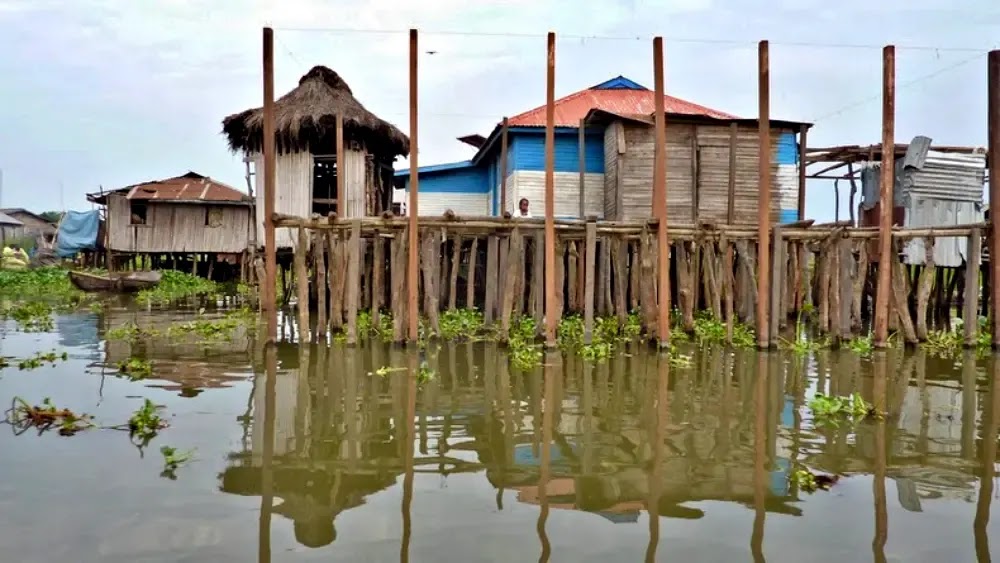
307,163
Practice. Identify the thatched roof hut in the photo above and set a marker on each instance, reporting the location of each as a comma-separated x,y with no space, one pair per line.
305,119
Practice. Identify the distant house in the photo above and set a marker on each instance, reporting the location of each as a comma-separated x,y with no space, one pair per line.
187,214
307,163
617,161
32,225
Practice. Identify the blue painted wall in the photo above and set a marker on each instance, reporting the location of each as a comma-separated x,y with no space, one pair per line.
528,152
467,179
788,149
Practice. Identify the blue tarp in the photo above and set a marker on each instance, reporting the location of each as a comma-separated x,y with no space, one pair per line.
78,231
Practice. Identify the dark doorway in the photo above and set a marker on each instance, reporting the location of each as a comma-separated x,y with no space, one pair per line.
324,185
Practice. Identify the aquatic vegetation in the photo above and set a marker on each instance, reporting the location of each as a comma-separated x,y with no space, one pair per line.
425,373
41,284
802,344
679,360
136,369
215,329
173,460
385,371
145,423
832,409
710,330
129,332
810,482
525,354
40,359
863,345
569,332
31,316
596,352
461,324
175,286
944,343
23,416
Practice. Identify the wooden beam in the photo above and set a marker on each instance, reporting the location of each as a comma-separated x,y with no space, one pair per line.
338,201
550,227
993,155
660,200
803,132
413,260
270,252
588,281
503,168
731,194
583,167
885,246
763,194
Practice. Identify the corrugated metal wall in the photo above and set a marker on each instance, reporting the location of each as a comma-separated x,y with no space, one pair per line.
527,152
947,189
930,212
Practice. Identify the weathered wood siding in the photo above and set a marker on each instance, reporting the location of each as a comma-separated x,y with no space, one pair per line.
531,184
174,227
293,191
613,141
354,182
693,151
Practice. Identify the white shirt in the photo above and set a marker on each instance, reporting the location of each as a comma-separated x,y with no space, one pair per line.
525,215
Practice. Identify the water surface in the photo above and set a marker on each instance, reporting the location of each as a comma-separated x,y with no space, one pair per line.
329,459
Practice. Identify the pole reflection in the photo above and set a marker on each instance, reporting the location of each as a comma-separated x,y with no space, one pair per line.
408,424
267,467
880,402
550,372
658,424
760,456
989,454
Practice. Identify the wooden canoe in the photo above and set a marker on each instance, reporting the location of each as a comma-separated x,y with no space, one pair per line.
124,282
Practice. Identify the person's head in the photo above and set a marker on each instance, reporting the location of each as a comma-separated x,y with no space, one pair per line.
523,205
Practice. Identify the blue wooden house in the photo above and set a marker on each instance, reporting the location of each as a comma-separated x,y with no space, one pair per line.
617,162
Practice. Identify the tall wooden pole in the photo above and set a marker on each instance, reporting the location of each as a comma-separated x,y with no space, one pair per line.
270,252
503,168
993,162
885,258
660,200
550,205
582,154
339,204
803,134
764,195
413,309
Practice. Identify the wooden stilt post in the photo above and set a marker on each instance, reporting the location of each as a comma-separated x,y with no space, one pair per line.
885,247
588,283
660,200
803,132
270,252
582,166
550,226
353,280
412,275
970,316
302,285
993,157
503,169
339,206
763,195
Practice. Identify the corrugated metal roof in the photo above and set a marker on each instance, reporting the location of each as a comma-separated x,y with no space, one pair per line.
933,212
946,176
189,187
570,109
8,221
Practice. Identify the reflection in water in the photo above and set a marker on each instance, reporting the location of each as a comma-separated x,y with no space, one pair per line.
267,473
612,439
989,455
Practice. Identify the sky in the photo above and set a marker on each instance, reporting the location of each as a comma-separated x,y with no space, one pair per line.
106,93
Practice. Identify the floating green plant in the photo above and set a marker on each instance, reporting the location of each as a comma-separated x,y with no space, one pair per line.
23,416
460,324
145,423
833,409
40,359
173,459
136,369
809,482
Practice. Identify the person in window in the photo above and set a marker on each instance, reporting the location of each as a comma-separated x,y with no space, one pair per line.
522,208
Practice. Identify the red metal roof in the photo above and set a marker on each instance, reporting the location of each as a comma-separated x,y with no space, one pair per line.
574,107
189,187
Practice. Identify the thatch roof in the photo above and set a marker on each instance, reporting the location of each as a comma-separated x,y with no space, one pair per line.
305,119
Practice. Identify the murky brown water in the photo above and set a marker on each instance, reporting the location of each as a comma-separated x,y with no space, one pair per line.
326,460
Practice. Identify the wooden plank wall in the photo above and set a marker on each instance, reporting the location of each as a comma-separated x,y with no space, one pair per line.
178,228
693,151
